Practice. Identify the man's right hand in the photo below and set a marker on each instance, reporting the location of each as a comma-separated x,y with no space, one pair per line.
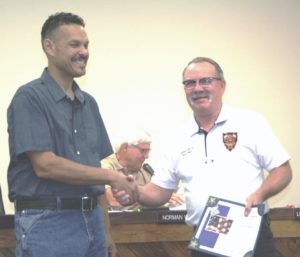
125,189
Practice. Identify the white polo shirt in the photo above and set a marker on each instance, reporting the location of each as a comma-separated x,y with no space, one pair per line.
227,162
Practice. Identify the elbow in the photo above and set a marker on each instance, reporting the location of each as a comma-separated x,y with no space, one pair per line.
290,177
289,174
45,170
41,171
42,163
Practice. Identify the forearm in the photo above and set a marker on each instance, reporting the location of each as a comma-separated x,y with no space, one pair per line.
49,166
276,181
153,195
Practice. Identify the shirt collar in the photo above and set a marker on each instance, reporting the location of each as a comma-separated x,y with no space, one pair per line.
224,114
193,127
118,166
56,91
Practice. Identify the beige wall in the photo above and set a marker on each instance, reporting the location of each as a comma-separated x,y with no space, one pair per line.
139,48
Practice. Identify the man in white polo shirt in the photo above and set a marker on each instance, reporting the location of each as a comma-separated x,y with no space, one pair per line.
221,151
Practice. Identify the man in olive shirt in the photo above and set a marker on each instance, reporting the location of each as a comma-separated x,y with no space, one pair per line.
131,150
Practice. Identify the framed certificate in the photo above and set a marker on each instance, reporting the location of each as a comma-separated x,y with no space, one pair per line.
223,229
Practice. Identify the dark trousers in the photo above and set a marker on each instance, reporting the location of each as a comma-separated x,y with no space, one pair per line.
264,246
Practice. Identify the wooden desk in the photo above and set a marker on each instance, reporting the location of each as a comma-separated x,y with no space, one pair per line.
139,234
285,225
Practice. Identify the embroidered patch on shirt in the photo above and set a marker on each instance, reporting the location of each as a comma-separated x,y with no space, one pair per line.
230,140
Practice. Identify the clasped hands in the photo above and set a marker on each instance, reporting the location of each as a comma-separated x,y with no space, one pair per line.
125,190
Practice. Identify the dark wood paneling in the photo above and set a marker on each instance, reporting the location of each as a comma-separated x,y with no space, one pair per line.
7,238
288,247
157,249
7,252
139,234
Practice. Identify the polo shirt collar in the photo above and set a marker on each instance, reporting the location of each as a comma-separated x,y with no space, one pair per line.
224,114
118,166
56,91
193,127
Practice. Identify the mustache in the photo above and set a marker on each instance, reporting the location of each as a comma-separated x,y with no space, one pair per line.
80,58
196,95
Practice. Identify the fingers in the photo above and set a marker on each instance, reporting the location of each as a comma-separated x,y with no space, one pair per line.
134,196
126,191
247,209
121,196
179,199
112,251
130,178
252,200
176,200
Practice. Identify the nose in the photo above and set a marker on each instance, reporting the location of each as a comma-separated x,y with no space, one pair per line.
84,51
145,155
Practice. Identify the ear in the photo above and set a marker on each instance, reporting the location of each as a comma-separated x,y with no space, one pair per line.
48,46
224,85
124,147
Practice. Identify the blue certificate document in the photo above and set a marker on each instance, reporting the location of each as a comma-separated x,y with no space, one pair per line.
224,231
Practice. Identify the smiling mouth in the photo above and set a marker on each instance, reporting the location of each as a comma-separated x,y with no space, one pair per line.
199,98
81,62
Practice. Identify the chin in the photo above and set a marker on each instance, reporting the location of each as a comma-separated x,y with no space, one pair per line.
79,74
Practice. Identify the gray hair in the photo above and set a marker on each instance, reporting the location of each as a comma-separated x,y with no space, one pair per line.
218,68
131,136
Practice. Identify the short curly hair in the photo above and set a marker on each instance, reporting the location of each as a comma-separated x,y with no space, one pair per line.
58,19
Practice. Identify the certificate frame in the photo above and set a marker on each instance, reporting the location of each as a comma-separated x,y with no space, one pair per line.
224,230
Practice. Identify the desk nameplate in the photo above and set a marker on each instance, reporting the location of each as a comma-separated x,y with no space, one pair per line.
147,217
171,217
297,214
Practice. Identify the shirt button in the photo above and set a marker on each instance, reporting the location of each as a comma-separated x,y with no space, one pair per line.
78,152
75,131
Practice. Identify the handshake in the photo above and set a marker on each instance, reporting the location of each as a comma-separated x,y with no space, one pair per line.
125,189
126,192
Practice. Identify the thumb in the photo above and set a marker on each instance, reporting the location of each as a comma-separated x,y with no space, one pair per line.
130,178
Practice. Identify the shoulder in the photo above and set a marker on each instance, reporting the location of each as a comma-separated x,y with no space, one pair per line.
179,138
110,162
28,93
243,115
183,131
30,87
247,120
88,98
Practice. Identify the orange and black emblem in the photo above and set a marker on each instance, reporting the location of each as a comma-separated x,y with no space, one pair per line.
230,140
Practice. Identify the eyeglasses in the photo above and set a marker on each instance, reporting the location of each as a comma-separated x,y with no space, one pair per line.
204,82
142,150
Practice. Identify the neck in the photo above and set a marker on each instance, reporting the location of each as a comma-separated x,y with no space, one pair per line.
206,120
121,161
63,81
